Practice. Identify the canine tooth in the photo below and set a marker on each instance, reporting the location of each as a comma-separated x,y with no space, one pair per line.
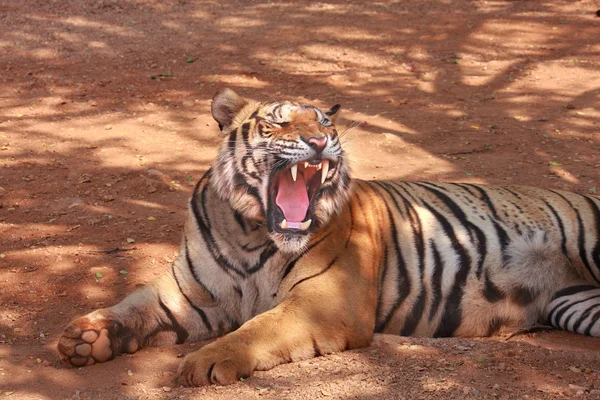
305,225
284,224
294,171
306,164
324,171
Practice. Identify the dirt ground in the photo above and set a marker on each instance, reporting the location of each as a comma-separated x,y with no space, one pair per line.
105,126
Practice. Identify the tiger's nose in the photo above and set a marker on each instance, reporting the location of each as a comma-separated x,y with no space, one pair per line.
317,143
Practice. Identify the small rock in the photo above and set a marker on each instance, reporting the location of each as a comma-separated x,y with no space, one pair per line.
108,127
570,106
166,389
576,387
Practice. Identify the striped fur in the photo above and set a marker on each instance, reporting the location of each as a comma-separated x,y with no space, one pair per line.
408,258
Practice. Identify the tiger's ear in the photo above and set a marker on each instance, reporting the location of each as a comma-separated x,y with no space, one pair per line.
333,113
226,104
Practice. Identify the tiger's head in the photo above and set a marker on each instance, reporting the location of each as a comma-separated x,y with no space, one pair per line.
281,164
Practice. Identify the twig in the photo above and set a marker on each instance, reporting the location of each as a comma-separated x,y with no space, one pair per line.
458,153
113,250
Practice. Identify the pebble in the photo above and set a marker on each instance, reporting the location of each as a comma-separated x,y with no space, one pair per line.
166,389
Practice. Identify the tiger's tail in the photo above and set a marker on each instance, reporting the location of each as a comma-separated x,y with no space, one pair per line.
576,309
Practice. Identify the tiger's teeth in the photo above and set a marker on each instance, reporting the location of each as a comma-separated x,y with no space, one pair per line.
284,224
294,171
324,171
319,165
306,164
305,225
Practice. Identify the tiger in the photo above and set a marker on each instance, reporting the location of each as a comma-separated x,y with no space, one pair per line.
285,257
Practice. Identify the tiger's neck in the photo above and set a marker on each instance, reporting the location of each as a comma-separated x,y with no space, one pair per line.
223,224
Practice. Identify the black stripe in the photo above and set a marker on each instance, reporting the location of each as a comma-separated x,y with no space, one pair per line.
351,230
504,242
465,187
238,290
588,311
240,221
405,186
584,315
249,159
204,226
568,306
561,227
403,283
580,236
275,110
518,196
192,268
382,277
571,290
595,318
182,333
581,243
198,310
554,309
245,134
419,242
415,314
248,247
315,275
486,199
491,292
440,187
201,184
452,317
386,188
596,250
264,257
436,280
292,263
232,142
462,217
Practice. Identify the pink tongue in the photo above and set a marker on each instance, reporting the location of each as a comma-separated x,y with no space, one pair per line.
292,197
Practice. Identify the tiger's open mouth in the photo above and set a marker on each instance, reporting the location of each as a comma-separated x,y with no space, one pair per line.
294,192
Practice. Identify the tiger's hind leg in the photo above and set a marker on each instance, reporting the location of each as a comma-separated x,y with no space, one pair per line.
157,314
576,309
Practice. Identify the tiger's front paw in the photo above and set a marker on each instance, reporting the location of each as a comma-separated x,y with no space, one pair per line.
216,363
95,338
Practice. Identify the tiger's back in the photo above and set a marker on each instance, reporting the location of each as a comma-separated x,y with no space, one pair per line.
468,260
